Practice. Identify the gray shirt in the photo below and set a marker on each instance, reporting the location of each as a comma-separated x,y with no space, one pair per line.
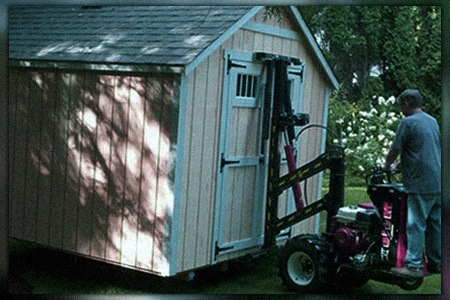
417,138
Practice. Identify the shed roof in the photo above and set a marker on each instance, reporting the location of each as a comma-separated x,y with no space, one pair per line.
163,35
180,36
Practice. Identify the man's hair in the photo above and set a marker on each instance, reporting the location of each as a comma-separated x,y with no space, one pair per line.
412,97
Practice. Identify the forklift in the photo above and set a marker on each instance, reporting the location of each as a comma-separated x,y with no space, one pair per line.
360,242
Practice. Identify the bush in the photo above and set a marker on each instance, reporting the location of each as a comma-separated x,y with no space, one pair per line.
366,131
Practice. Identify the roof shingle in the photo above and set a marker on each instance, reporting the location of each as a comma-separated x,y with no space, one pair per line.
163,35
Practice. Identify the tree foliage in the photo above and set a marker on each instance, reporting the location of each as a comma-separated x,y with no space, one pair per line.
381,50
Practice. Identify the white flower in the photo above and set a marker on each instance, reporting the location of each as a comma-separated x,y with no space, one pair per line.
361,168
390,122
381,137
364,114
391,100
390,133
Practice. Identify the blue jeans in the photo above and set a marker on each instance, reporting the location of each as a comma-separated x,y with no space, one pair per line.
423,227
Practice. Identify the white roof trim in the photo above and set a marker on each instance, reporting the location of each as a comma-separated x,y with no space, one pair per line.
230,31
315,46
219,41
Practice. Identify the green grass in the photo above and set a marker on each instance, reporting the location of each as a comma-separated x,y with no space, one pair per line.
53,272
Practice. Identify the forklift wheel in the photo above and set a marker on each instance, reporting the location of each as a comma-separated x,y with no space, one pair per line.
410,284
300,266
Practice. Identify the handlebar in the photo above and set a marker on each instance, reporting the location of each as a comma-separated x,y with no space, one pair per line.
378,175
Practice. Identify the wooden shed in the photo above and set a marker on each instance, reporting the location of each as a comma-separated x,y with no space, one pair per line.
120,119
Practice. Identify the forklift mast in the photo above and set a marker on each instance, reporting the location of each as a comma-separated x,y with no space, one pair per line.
282,120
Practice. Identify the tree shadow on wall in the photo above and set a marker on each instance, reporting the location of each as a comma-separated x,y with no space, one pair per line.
90,164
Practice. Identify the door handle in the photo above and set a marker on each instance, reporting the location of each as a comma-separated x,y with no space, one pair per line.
224,162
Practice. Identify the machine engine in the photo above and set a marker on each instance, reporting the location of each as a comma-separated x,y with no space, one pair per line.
355,230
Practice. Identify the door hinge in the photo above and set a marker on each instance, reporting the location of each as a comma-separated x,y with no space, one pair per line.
262,159
221,249
298,73
231,64
224,162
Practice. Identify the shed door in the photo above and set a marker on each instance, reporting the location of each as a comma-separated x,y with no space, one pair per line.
239,223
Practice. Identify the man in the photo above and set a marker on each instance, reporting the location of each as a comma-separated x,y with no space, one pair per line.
417,141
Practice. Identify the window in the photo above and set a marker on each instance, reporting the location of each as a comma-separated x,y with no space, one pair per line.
246,85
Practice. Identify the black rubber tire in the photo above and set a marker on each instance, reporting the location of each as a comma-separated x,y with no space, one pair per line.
302,267
410,284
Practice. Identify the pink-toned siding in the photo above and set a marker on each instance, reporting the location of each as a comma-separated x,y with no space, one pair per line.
89,163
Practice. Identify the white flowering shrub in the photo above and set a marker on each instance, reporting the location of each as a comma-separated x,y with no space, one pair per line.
366,132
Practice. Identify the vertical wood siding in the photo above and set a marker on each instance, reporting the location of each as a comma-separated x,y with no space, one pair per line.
199,166
203,111
89,163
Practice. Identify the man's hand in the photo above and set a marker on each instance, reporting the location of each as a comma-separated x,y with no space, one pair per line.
392,168
390,158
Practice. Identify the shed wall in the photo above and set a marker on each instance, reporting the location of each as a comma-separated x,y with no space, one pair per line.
90,163
203,111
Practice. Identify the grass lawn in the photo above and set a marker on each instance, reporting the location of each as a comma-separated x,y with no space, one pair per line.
38,270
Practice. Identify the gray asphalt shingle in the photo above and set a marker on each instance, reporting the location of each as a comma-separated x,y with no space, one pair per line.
164,35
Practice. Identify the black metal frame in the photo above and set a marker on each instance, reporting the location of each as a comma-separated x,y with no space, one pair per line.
277,96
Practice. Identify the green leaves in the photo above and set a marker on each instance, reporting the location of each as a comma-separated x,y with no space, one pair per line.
381,50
